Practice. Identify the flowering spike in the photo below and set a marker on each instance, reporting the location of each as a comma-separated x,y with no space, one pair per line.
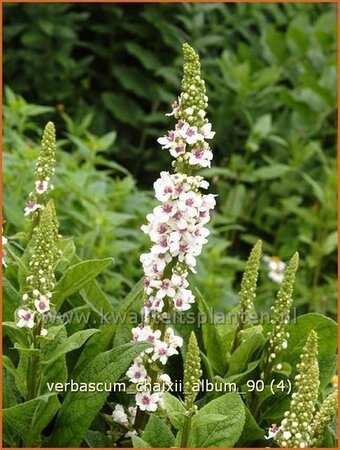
44,171
295,430
192,372
248,288
323,417
40,279
278,336
176,229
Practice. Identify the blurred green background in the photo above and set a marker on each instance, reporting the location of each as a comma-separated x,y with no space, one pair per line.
106,75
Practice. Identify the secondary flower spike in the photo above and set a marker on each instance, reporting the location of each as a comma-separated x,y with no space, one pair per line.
40,279
296,430
44,170
176,228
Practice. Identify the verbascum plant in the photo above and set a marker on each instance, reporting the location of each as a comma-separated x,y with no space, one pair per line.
296,428
177,231
44,170
248,291
278,336
40,278
323,417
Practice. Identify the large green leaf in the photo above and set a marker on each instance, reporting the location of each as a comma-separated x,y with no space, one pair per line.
326,329
51,353
27,420
77,276
80,408
252,342
174,409
211,338
219,423
158,434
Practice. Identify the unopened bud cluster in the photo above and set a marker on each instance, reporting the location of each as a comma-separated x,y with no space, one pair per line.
192,372
176,228
249,279
278,336
44,171
40,279
323,417
296,427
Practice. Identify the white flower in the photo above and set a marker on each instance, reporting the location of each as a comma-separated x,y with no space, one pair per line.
41,186
147,401
171,339
129,434
183,299
190,134
174,106
43,332
136,373
167,141
276,268
119,415
272,431
200,157
165,289
177,150
42,304
26,318
164,378
31,207
162,352
206,131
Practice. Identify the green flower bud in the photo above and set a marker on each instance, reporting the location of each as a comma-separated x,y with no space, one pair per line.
193,99
323,417
192,372
278,336
44,168
248,290
295,429
44,252
249,279
44,171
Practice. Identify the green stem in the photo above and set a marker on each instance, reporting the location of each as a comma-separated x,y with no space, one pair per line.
186,432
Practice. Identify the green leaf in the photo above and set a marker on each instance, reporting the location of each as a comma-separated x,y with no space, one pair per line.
28,419
95,298
139,443
80,408
330,244
270,172
252,341
158,434
16,334
174,409
98,343
10,300
219,423
11,395
211,338
96,439
76,340
77,276
134,297
326,329
251,431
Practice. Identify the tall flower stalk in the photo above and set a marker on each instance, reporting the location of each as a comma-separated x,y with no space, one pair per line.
176,228
44,170
296,427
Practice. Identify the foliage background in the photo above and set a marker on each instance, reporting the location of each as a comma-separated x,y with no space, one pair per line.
106,74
